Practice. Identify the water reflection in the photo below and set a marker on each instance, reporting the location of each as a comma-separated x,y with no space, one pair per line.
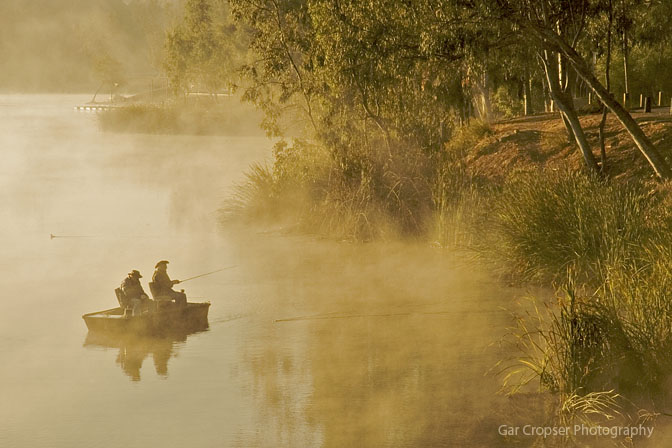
377,346
134,349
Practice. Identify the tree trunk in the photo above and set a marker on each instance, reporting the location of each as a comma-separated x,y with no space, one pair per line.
527,95
573,118
571,137
567,110
625,65
607,81
566,86
547,98
482,101
603,149
657,162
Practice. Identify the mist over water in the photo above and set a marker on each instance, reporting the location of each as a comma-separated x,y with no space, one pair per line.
311,342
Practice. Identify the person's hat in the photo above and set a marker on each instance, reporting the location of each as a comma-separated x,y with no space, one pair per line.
161,262
135,273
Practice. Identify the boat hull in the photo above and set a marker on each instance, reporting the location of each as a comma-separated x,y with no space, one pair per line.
194,316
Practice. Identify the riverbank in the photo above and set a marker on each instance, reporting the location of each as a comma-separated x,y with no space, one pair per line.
222,116
515,195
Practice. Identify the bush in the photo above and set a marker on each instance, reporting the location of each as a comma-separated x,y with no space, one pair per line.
459,202
505,105
216,118
611,331
362,195
550,222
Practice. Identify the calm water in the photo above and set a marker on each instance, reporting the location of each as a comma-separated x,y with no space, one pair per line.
311,343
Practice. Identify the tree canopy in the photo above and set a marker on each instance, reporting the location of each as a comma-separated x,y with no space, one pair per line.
411,71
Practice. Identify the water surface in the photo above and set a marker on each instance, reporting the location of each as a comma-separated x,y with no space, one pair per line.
311,343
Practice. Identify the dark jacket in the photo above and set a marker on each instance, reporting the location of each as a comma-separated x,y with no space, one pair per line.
132,288
162,282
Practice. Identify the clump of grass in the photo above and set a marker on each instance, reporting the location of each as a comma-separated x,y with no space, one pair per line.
565,348
465,137
616,339
640,295
460,202
283,192
554,141
610,331
360,195
549,222
570,350
254,198
593,351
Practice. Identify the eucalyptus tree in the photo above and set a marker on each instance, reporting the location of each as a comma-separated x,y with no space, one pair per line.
205,49
403,66
372,54
601,25
538,20
650,52
279,72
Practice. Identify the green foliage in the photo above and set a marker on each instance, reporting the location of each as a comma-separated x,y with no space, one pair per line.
547,224
386,195
505,105
202,118
205,50
357,71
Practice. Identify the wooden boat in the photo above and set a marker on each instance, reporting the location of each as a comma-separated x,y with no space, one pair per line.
193,316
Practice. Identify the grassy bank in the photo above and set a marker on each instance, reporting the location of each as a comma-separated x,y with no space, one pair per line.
222,117
515,195
605,246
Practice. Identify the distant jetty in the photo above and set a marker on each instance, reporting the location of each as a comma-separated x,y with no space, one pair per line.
97,107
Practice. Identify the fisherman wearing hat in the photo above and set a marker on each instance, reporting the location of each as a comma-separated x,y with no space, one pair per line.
134,294
163,285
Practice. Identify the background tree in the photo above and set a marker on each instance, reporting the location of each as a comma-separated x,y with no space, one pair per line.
414,70
205,49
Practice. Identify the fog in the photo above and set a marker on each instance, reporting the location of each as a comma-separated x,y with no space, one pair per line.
311,342
73,45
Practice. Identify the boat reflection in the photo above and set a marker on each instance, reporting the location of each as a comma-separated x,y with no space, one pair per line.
134,349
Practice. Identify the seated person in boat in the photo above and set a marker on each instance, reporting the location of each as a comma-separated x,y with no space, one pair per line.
162,287
133,294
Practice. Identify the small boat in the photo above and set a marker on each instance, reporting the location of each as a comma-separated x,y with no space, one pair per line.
193,316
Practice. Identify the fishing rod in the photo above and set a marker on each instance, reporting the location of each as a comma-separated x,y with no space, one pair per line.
52,236
207,273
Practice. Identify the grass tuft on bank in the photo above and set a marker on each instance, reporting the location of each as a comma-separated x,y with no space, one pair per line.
550,222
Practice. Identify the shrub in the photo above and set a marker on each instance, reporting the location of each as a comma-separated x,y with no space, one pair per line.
362,194
217,118
549,222
613,338
505,105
